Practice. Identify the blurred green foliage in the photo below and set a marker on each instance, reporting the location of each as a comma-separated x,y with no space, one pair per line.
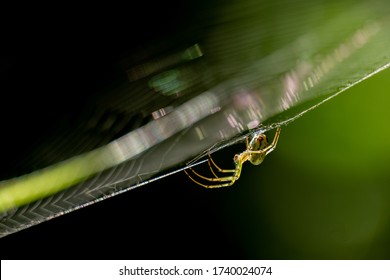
324,193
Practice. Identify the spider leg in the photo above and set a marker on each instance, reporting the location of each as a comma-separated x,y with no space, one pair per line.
210,186
272,146
211,168
218,168
224,181
219,179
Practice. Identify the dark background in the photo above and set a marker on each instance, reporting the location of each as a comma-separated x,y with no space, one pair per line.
56,61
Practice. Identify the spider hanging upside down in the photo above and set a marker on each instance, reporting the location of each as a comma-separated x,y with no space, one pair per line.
256,151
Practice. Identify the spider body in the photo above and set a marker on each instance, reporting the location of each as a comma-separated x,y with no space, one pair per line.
256,151
258,143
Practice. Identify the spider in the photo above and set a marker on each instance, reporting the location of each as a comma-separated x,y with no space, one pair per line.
256,151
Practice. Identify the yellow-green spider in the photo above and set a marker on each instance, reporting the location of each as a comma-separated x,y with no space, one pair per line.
256,150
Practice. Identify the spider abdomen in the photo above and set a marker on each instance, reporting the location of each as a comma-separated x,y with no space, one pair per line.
256,159
256,145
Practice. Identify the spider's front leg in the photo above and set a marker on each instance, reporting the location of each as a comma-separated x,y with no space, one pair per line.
272,146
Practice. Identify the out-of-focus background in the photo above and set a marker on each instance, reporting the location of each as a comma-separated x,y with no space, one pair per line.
322,194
